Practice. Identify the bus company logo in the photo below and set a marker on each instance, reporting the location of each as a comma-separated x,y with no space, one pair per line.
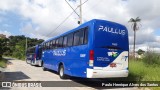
59,53
113,54
124,58
111,30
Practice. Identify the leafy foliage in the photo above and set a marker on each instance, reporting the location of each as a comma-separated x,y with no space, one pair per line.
140,52
3,46
15,45
152,58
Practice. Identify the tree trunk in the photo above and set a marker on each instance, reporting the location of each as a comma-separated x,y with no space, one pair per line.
134,44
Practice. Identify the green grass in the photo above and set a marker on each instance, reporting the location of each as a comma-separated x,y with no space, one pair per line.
146,72
140,71
3,63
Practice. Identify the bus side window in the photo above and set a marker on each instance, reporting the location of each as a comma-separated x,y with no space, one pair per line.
47,46
57,43
70,39
76,38
65,41
61,42
53,44
50,45
81,36
86,35
44,46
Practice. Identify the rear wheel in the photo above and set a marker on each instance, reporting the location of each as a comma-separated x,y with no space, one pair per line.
32,62
61,72
44,69
27,61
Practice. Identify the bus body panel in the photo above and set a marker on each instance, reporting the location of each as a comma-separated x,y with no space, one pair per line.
34,57
110,51
75,63
76,58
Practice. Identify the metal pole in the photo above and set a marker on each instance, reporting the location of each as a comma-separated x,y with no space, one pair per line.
80,17
26,48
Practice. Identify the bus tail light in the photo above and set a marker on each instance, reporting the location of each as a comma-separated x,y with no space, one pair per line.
91,57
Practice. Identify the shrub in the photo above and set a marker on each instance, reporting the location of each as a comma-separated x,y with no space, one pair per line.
151,58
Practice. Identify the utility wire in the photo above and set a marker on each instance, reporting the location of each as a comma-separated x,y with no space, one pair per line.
61,23
72,8
65,19
83,2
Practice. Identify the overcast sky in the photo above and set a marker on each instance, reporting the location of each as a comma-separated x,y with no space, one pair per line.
39,18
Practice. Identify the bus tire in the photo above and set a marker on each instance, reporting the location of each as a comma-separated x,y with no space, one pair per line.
32,63
44,69
61,72
27,61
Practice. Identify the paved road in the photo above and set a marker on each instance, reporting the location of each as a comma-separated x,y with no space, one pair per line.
18,70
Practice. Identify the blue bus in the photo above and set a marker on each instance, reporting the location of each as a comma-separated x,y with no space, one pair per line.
95,49
34,55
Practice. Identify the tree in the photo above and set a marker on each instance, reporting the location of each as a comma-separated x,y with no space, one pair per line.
140,52
16,45
3,46
135,27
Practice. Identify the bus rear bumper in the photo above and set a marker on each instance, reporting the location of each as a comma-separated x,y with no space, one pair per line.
92,73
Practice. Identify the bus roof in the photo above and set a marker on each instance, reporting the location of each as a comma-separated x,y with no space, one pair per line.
82,26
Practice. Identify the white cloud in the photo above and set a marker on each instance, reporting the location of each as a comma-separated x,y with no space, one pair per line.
46,15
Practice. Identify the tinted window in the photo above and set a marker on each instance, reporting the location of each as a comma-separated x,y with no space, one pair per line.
81,37
46,46
76,38
53,44
70,40
86,35
57,44
50,45
42,46
61,42
65,41
40,53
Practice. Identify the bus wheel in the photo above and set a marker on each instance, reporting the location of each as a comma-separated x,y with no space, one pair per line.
44,69
32,63
61,72
27,61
